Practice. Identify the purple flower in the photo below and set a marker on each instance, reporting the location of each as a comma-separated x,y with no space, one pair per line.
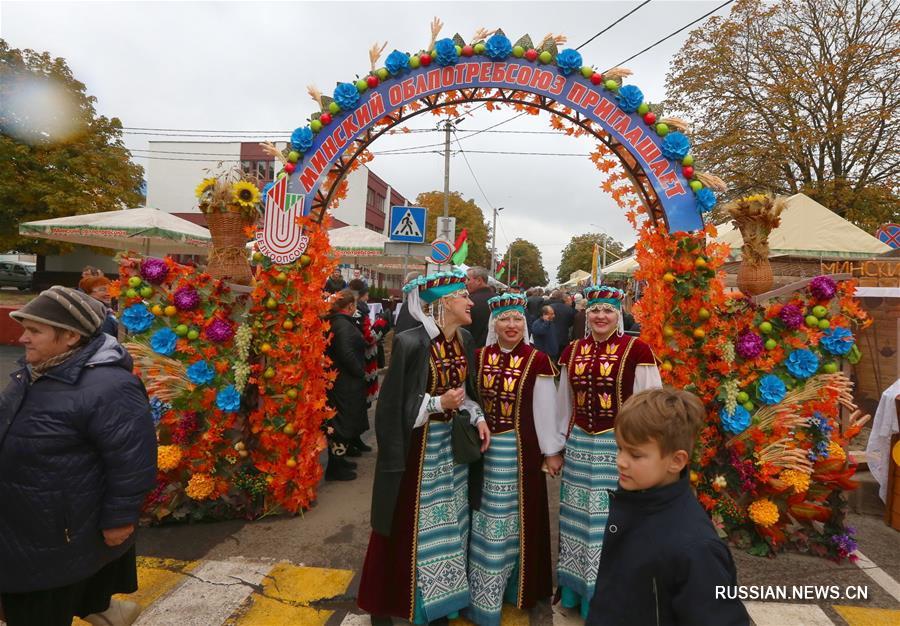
749,345
822,288
792,316
154,270
219,330
844,543
187,299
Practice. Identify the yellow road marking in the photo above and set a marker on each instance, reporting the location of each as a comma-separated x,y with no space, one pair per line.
511,616
861,616
265,611
302,585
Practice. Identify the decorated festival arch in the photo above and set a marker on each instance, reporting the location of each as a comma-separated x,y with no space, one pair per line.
770,466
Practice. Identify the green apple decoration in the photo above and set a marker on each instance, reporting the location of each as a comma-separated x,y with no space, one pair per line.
281,278
291,393
545,57
819,311
271,304
587,71
480,48
258,257
315,126
293,155
181,330
830,368
643,109
361,85
611,85
765,327
146,291
414,61
135,281
193,334
824,324
687,160
382,73
771,344
131,293
662,129
696,185
812,321
749,406
334,108
743,397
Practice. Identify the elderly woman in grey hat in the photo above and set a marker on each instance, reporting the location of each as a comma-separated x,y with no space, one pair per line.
77,458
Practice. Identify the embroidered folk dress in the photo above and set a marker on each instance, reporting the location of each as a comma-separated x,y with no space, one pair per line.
509,557
596,377
419,571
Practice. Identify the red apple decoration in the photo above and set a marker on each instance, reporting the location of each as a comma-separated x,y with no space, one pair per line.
425,59
468,51
650,117
289,168
372,81
688,172
596,78
531,54
325,118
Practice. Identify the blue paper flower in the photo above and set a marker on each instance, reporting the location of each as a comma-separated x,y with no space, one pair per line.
802,364
346,95
302,138
675,146
200,373
706,200
228,399
771,389
838,341
265,191
396,62
445,52
163,341
568,61
737,422
498,47
630,98
157,409
137,318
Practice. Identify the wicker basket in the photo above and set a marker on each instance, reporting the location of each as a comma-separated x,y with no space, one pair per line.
755,278
228,257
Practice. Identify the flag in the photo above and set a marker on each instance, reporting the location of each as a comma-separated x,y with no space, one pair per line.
461,248
501,269
595,266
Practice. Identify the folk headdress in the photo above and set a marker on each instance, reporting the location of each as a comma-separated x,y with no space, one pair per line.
430,289
602,296
500,307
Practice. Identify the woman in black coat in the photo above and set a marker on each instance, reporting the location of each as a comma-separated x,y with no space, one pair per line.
348,394
77,458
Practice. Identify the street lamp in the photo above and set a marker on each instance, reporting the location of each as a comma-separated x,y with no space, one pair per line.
494,242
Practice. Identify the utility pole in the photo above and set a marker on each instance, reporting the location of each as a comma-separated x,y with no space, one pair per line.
494,242
518,260
448,125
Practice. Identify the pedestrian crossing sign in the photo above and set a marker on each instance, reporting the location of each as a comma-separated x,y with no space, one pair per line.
407,224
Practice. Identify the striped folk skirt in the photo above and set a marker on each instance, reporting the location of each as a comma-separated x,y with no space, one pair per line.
589,471
494,553
443,529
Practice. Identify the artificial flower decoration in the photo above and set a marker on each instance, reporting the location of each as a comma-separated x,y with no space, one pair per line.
749,345
302,139
200,487
245,193
154,271
791,316
206,185
396,62
200,373
630,98
822,288
163,341
168,457
764,512
228,399
498,47
675,145
845,544
445,52
796,479
568,61
346,95
736,421
771,389
219,331
802,364
265,191
837,341
186,299
157,409
137,318
706,200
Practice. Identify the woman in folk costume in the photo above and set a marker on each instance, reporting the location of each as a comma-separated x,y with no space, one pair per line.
415,566
509,556
597,374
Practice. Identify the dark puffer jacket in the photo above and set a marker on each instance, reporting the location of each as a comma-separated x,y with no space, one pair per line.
348,395
77,455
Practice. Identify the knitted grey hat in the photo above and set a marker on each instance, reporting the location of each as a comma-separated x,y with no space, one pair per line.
63,307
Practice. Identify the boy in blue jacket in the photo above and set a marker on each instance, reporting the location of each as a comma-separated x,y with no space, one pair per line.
662,560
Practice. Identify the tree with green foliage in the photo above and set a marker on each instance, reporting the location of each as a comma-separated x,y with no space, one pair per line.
579,253
57,160
798,96
468,215
524,264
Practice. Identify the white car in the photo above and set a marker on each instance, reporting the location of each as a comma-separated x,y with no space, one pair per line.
16,274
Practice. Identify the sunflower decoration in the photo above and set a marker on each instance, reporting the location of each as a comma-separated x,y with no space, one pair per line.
205,188
246,195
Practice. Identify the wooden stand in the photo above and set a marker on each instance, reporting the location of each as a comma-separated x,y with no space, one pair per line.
892,508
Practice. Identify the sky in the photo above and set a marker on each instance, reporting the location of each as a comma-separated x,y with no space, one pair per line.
245,66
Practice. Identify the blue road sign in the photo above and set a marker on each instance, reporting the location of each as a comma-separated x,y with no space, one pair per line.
407,224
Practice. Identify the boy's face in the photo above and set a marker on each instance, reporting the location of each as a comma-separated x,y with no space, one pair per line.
642,466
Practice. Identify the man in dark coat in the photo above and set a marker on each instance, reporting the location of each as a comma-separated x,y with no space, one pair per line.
77,458
563,317
544,334
404,319
335,282
480,292
534,304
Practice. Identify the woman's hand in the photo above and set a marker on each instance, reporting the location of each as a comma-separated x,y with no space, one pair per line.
453,399
554,464
117,536
484,431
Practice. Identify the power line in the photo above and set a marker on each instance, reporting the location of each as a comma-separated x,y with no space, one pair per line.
472,172
613,24
650,47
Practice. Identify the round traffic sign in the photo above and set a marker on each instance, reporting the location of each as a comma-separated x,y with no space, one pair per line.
441,251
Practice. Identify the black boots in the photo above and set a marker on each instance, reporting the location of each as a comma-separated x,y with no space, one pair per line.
359,445
339,468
